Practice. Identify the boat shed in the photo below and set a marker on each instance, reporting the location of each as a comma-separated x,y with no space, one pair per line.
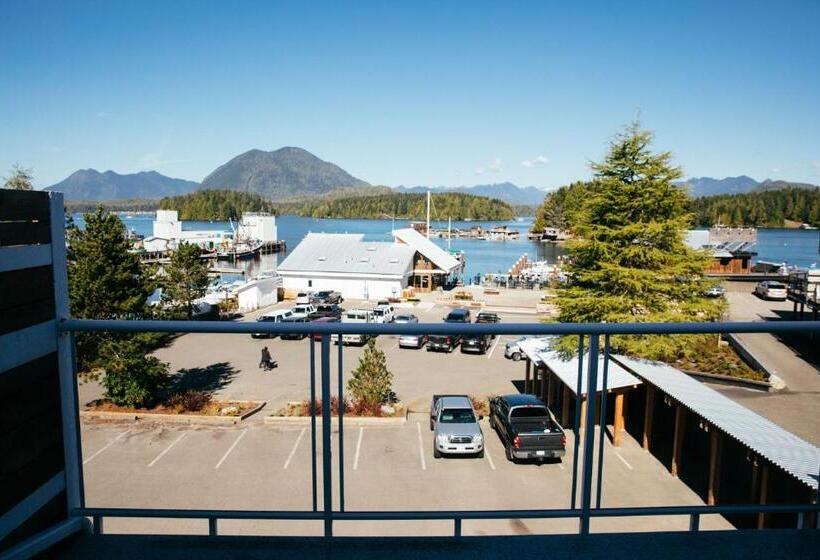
432,265
348,264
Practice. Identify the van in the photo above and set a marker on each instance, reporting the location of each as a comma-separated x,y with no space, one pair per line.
356,316
272,317
383,313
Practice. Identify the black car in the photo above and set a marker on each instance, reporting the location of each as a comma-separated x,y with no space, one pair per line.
328,310
479,343
488,317
448,342
527,428
327,296
293,321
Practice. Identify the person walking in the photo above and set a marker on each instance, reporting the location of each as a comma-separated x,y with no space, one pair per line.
266,362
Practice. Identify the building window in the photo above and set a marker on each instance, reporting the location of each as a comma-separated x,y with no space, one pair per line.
310,283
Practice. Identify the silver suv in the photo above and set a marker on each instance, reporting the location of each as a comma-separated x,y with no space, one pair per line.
455,427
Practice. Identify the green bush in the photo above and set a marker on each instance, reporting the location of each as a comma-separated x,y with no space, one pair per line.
371,382
131,378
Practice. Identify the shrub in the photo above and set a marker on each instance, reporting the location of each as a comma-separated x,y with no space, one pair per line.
131,378
371,381
190,401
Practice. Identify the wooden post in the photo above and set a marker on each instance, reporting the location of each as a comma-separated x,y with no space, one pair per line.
677,442
548,400
583,413
714,466
618,420
647,418
565,406
527,378
764,491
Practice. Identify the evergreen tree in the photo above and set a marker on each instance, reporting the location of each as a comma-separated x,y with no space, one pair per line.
630,262
371,381
186,279
20,179
132,378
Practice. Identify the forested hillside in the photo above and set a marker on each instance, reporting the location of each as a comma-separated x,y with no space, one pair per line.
769,208
215,205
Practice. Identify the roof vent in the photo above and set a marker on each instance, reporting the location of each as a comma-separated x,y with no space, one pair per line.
322,258
371,248
394,260
364,259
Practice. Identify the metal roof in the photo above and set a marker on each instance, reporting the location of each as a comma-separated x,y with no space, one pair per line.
344,253
429,250
538,351
797,457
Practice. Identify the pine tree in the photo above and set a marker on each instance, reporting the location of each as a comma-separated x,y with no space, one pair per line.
20,179
186,279
132,378
630,262
371,381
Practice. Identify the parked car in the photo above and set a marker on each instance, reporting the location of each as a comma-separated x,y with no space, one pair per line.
293,319
317,337
770,289
328,310
487,317
383,313
448,342
413,340
328,296
479,343
512,350
405,319
527,428
356,316
455,426
303,310
272,317
715,291
304,298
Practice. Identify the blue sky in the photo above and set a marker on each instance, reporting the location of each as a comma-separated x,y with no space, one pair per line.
440,93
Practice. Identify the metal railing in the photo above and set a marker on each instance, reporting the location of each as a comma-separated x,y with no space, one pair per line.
327,514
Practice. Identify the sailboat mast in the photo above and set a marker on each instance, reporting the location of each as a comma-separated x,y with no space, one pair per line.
428,214
449,230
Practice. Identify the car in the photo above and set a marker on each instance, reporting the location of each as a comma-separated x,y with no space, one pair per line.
356,316
383,313
448,342
291,321
413,340
328,310
405,319
488,317
272,317
455,426
317,337
512,350
328,296
527,428
478,343
304,298
715,291
303,310
770,289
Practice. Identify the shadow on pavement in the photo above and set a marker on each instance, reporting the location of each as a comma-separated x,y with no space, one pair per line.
801,343
207,379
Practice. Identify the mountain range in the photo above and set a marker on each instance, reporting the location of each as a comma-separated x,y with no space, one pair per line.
508,192
707,186
90,184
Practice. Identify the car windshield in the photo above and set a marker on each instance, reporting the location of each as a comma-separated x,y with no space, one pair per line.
776,285
529,412
402,318
457,416
378,312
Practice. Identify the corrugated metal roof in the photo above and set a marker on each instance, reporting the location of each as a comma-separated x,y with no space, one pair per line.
347,254
799,458
537,350
432,252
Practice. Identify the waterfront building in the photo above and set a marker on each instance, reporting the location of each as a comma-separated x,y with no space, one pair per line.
732,248
168,234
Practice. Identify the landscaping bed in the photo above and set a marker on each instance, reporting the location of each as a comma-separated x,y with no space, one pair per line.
720,360
177,409
298,412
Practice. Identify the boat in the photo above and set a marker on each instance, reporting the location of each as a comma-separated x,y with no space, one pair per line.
239,250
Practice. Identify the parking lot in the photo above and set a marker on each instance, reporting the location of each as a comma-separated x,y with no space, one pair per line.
259,467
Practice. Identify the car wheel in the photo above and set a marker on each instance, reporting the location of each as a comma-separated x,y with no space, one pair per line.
436,452
480,454
516,357
508,453
432,426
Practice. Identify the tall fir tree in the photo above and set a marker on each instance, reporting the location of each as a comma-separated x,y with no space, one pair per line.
186,279
629,262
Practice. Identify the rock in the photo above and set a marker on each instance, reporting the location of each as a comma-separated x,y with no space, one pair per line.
229,411
387,409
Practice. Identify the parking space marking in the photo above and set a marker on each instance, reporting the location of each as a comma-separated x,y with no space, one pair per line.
490,355
295,446
489,457
622,459
231,448
167,449
421,447
358,448
109,444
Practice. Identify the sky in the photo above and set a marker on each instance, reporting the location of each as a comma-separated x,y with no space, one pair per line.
413,93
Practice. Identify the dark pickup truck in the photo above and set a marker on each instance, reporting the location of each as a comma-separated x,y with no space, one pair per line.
527,428
448,342
478,343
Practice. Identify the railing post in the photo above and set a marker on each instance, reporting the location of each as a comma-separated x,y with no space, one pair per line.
602,435
327,496
313,426
589,434
694,522
212,528
457,527
341,408
577,425
97,521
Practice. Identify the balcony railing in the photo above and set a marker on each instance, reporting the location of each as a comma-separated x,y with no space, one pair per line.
582,507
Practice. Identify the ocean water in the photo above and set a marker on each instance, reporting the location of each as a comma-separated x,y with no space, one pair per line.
795,247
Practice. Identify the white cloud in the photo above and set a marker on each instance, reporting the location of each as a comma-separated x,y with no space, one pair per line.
774,170
479,171
495,166
536,161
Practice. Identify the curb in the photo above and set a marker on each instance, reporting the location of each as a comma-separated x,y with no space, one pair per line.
334,420
729,380
172,418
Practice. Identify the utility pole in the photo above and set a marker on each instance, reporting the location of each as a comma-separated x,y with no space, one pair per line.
428,214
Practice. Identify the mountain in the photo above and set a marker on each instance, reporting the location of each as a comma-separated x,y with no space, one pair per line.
707,186
281,173
508,192
771,185
90,184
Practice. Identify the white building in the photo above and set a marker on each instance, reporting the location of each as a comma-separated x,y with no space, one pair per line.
346,263
257,293
259,226
168,234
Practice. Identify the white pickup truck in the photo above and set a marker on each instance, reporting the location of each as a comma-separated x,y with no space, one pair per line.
356,316
455,426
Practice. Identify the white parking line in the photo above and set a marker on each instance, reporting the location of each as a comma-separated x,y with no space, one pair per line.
228,452
295,445
167,449
109,444
622,460
490,355
358,448
489,457
421,448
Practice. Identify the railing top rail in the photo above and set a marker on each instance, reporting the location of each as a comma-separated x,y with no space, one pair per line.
247,327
